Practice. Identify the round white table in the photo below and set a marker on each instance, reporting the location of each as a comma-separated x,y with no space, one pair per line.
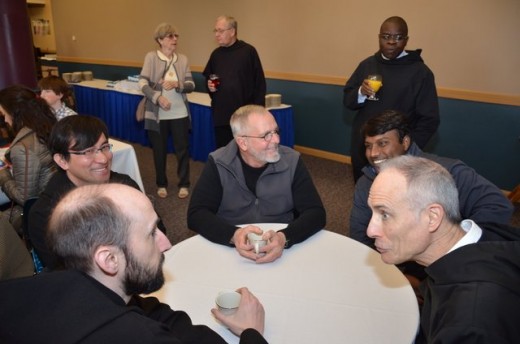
125,161
328,289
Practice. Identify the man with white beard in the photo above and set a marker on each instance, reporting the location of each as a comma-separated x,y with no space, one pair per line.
255,180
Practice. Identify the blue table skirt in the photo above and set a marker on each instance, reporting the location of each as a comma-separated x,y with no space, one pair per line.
117,110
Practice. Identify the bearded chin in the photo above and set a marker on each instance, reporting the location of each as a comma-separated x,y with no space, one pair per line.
273,158
140,280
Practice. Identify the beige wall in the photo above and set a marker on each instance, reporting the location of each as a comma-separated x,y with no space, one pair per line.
46,42
470,45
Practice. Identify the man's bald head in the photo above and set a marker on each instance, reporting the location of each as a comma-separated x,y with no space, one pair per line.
90,216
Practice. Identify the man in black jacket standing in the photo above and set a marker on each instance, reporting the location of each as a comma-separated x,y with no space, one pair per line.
241,79
408,86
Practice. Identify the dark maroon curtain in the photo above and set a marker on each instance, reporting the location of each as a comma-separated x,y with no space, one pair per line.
17,58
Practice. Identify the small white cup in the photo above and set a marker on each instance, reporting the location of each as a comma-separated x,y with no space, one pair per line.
257,241
228,301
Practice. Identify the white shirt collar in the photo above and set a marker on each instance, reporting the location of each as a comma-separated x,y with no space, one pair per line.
473,234
402,54
164,58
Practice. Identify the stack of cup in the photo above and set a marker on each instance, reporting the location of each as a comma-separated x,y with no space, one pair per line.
87,76
273,100
77,77
67,77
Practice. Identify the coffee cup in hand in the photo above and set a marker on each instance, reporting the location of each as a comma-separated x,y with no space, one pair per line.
257,241
228,301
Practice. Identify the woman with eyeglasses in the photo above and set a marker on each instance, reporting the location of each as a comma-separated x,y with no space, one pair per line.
27,165
164,80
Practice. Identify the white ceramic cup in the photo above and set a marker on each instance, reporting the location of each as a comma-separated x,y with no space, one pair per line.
257,241
228,301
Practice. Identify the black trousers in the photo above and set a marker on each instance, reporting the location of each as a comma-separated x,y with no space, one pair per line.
223,135
179,129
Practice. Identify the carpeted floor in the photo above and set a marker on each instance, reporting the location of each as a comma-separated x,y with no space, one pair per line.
332,179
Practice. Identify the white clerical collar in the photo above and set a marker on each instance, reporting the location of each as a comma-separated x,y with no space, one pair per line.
402,54
473,234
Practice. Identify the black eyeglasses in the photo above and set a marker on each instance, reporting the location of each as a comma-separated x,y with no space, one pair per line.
397,37
267,137
90,153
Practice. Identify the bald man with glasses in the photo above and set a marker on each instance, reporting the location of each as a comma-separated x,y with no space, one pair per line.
255,180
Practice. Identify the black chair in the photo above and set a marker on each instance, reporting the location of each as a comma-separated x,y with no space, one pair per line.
38,266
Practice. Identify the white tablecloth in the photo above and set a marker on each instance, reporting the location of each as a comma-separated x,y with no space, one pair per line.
125,86
125,161
329,289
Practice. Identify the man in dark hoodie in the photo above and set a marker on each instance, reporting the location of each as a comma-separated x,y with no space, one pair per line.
471,293
408,86
386,136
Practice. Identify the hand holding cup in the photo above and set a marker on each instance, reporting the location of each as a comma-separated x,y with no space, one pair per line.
262,247
257,241
248,314
228,301
213,82
375,82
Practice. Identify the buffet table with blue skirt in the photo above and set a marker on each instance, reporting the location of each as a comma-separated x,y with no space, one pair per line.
116,107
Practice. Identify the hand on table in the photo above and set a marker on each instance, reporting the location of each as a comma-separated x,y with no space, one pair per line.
268,253
250,314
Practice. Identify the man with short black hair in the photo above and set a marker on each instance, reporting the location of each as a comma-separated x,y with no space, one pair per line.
387,136
80,147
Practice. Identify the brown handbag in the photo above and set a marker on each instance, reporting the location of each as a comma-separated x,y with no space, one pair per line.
139,112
